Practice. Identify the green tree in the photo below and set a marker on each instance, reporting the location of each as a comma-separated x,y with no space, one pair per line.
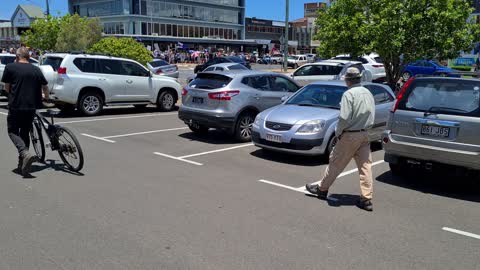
43,34
399,30
122,47
77,33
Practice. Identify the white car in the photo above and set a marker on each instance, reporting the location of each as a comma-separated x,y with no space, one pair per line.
327,70
7,58
90,82
296,61
276,58
372,62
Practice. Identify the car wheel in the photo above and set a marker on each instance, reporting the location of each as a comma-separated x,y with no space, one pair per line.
91,104
406,75
331,144
243,129
275,62
166,101
198,129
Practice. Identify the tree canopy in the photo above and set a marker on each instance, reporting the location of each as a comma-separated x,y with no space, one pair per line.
67,33
400,31
122,47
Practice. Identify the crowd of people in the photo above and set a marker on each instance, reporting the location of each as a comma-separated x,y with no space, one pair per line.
196,57
32,52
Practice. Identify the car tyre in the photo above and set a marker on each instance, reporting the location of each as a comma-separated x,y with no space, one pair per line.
406,75
331,144
91,104
199,130
166,101
275,62
243,127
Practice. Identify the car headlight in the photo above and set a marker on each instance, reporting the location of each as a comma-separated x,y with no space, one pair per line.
312,127
257,121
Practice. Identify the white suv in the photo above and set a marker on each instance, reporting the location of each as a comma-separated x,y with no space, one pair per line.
372,62
90,82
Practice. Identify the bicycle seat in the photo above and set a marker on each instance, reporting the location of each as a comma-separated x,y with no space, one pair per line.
53,112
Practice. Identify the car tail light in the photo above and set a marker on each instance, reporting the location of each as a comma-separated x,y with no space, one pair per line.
184,92
62,70
377,66
402,93
385,140
158,72
225,95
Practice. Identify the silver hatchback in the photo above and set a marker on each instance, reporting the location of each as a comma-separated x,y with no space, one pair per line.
231,100
435,122
305,124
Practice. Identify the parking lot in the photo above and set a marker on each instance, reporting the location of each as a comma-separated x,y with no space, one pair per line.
153,195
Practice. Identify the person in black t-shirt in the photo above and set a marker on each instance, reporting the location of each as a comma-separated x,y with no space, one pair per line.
24,84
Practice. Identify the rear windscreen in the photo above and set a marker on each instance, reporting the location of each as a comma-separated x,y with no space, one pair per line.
7,59
158,63
210,81
457,97
55,62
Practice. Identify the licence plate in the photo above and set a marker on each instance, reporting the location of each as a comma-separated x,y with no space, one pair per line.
274,138
435,131
197,100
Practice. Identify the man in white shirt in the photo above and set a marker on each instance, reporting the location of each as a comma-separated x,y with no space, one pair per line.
357,114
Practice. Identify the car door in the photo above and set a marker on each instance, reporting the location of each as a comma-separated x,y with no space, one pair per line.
428,68
138,82
112,76
383,103
260,96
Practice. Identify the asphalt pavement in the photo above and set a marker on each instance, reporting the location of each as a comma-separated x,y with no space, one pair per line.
153,195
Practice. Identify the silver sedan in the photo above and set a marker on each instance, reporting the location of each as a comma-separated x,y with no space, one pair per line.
305,123
161,67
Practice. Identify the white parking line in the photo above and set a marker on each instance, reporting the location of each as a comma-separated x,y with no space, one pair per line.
145,132
476,236
347,173
98,138
116,118
292,188
177,158
216,151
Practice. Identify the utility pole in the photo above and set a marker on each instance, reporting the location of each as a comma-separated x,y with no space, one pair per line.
285,44
48,8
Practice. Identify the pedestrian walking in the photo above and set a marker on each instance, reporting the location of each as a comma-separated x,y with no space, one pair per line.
357,114
24,84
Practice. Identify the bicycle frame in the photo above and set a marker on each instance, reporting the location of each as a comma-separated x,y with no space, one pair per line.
50,130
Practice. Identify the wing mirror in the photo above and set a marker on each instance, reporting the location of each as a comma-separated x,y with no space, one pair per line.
284,98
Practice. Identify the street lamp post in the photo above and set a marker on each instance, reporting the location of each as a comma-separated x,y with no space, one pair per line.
285,44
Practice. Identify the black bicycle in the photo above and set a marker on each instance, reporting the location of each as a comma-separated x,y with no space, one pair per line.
61,139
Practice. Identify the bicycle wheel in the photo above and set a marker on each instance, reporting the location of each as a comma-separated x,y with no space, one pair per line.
36,137
69,149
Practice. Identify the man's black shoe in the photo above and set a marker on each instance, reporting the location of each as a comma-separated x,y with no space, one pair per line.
365,205
28,159
315,189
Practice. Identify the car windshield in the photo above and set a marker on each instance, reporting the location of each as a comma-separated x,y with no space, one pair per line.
158,63
328,96
459,97
438,63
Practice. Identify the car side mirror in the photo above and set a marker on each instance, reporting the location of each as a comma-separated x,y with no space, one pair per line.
284,98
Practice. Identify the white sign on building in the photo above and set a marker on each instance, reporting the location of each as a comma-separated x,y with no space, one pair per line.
21,19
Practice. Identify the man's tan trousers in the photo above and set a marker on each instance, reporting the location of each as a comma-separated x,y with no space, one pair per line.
351,145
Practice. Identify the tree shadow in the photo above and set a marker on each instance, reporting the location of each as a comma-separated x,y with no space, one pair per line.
113,111
441,183
213,136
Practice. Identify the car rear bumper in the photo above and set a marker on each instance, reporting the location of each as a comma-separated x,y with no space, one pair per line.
174,74
209,120
396,151
307,147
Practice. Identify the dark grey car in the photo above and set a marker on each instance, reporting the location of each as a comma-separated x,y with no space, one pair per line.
231,100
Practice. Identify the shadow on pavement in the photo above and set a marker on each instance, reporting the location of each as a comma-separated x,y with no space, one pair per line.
214,136
51,164
289,158
437,183
339,199
113,111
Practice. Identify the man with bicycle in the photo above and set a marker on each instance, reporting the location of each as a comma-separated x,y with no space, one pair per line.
24,84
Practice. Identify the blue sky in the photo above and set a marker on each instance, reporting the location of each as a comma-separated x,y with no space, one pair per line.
264,9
